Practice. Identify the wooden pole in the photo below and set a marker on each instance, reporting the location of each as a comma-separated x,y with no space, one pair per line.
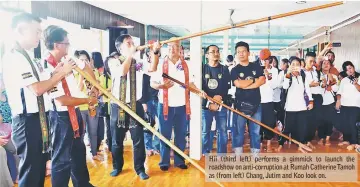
240,113
247,23
142,122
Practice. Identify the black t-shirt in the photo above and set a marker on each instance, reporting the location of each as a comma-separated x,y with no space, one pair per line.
215,81
252,71
149,93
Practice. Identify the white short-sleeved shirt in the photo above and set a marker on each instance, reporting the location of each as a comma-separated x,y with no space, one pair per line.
350,96
267,89
277,90
313,76
116,68
58,91
328,96
176,94
18,75
295,101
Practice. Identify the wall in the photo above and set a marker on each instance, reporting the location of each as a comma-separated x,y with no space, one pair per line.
85,15
349,37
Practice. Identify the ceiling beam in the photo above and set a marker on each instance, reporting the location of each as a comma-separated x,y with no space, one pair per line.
250,44
272,37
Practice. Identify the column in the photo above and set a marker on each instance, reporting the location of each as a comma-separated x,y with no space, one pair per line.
196,66
225,51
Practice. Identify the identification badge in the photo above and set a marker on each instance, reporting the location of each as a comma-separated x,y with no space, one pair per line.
213,84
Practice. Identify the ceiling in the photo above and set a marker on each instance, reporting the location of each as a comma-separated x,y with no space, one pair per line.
178,17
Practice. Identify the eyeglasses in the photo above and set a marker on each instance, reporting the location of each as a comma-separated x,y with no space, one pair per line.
65,43
214,52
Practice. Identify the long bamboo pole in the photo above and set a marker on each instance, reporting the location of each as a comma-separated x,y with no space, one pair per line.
240,113
247,23
142,122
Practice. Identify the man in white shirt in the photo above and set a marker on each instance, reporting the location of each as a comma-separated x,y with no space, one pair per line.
69,152
330,118
298,101
127,80
267,92
313,76
174,103
348,99
26,85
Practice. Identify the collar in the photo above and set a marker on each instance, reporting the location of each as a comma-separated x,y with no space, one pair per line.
51,60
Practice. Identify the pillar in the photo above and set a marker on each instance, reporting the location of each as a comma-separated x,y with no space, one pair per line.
225,51
196,66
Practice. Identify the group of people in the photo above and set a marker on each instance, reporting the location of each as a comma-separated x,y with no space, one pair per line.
295,99
53,106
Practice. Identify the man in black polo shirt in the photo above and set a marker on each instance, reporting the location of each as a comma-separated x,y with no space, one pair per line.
247,77
216,83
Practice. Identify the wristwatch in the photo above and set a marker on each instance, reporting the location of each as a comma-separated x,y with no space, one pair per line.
253,80
156,52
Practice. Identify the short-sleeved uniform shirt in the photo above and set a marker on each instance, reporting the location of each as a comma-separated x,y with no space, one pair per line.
18,75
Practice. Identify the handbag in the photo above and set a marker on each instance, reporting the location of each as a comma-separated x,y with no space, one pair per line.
5,130
248,108
104,109
104,106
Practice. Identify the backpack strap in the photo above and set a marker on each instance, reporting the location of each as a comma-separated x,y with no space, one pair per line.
303,75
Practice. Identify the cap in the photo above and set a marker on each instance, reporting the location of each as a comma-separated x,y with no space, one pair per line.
264,54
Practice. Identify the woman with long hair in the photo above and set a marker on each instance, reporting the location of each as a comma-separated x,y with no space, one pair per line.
329,85
89,113
106,82
348,99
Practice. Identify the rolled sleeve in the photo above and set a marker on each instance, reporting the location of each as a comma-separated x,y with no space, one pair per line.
115,67
57,91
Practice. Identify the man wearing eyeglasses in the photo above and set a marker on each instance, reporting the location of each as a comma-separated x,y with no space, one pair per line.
69,152
27,84
216,83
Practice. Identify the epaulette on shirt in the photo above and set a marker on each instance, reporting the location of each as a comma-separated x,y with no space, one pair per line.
122,59
26,75
53,90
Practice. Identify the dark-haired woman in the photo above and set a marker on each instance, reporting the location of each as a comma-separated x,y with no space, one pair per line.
329,119
106,82
298,102
89,113
348,99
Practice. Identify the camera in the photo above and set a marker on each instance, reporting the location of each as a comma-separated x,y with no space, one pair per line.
352,78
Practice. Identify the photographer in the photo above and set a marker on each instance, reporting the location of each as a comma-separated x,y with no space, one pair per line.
348,99
329,119
267,94
298,102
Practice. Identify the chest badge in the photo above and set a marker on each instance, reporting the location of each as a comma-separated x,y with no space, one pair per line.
207,76
219,76
213,84
254,72
241,75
